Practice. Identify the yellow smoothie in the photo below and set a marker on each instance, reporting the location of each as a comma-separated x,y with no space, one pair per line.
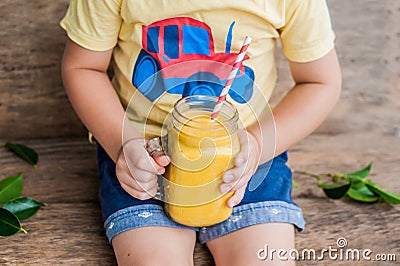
201,150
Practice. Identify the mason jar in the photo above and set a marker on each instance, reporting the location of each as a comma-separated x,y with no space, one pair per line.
201,150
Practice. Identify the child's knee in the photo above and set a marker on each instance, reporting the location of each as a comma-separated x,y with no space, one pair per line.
155,258
154,246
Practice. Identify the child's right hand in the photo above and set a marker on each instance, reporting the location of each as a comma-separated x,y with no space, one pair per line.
137,171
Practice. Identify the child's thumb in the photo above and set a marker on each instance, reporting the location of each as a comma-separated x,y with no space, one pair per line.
162,160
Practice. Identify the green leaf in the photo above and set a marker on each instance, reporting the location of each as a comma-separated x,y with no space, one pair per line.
363,195
362,188
294,184
23,208
361,173
10,188
9,223
335,191
389,197
23,152
356,182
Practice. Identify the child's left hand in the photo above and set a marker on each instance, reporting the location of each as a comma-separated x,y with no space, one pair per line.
246,163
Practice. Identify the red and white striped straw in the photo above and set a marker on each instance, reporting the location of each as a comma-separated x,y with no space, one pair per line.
231,77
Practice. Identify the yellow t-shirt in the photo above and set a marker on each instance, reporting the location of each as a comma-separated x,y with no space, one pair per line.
163,50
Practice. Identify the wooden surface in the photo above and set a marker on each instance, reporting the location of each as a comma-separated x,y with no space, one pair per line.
364,127
31,92
69,229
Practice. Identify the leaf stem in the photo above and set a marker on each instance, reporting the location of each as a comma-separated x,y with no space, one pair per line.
23,230
318,177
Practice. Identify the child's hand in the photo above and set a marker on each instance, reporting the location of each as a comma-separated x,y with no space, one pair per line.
246,163
137,171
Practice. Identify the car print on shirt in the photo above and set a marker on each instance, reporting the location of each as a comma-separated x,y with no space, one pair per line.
169,43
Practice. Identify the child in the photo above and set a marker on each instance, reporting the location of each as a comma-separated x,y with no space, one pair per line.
142,37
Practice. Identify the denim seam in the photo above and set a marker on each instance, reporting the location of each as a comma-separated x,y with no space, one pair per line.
118,226
208,233
121,214
265,206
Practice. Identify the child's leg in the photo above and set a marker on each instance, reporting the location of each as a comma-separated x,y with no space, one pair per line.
246,246
155,246
140,231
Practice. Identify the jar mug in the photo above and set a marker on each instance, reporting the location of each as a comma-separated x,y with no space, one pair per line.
201,150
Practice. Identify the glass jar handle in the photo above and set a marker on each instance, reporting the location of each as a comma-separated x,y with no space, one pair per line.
156,148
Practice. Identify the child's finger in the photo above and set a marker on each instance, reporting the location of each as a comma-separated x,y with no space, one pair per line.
137,157
138,182
236,183
235,173
139,194
236,197
235,178
146,163
137,177
243,155
162,160
144,184
241,158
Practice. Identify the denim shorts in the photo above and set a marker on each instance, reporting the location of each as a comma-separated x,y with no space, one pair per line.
267,199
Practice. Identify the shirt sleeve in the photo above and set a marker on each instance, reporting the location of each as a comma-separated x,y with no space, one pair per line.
307,34
93,24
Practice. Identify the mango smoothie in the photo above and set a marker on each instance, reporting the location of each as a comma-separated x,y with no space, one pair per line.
201,150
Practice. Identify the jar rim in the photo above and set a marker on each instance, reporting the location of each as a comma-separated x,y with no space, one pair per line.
211,101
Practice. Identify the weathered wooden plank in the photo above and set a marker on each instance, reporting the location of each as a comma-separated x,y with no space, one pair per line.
327,220
60,233
364,226
32,100
35,104
67,233
71,233
67,170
